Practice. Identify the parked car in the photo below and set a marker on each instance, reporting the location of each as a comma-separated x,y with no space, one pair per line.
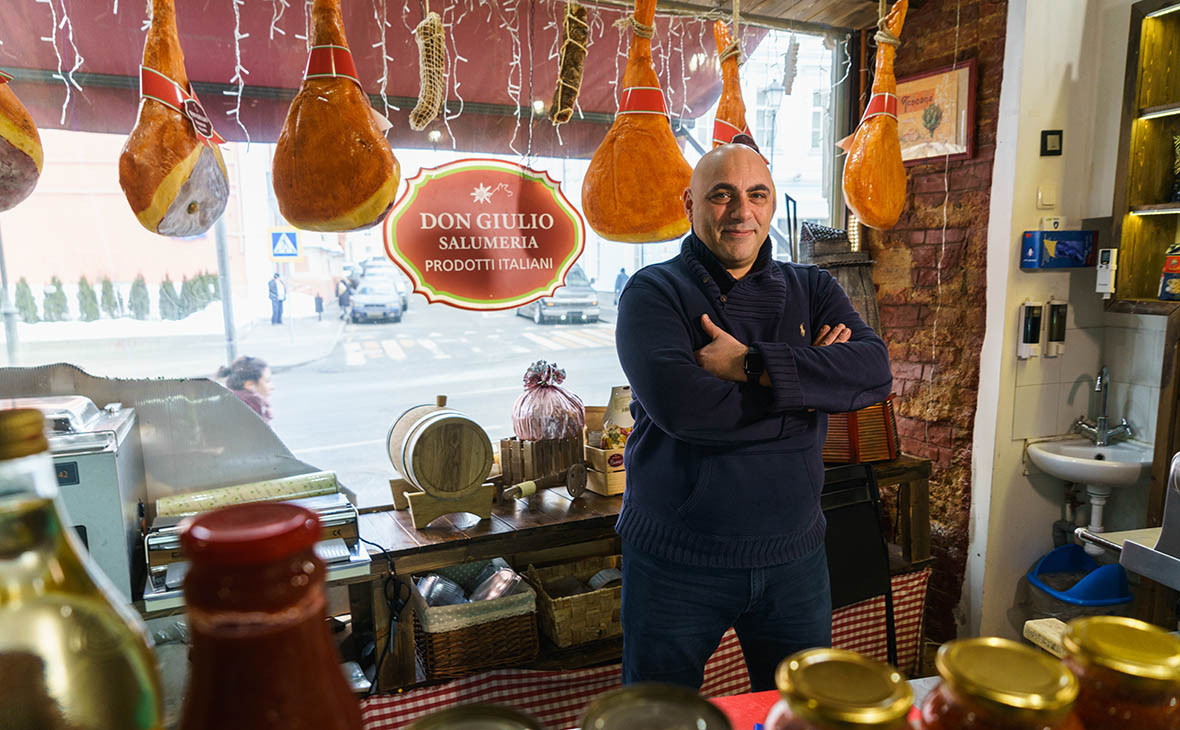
376,299
575,302
394,275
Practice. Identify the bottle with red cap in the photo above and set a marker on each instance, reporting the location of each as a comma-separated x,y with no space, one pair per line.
262,654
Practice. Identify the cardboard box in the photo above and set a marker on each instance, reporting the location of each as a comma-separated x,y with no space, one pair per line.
604,460
1170,287
1057,249
607,484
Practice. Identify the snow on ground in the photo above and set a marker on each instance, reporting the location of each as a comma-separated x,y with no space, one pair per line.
208,321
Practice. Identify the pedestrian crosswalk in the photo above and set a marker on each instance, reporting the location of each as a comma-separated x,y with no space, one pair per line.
362,347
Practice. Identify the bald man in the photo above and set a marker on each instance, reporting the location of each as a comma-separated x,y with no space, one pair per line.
734,360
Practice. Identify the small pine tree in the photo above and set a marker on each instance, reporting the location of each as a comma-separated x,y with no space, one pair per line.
215,287
184,301
25,304
169,300
87,301
139,302
54,307
109,304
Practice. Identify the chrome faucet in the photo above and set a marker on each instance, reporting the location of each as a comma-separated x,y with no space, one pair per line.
1101,434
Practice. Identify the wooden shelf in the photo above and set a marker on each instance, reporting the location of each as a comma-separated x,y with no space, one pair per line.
1163,110
1132,305
1156,209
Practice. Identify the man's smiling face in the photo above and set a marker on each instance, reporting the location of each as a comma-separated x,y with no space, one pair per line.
731,203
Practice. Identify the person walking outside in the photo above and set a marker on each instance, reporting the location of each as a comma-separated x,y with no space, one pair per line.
249,379
319,307
344,296
278,294
734,361
620,283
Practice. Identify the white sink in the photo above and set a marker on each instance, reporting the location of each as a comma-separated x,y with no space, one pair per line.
1079,460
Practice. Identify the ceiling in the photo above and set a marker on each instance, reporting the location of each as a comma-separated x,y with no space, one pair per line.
483,40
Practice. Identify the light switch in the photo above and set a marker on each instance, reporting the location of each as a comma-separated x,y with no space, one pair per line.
1046,196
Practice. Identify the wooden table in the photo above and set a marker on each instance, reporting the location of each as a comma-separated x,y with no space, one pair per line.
548,527
552,527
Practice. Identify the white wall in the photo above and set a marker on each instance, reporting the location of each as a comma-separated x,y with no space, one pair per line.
1063,69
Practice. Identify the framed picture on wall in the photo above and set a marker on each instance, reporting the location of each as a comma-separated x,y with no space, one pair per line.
936,114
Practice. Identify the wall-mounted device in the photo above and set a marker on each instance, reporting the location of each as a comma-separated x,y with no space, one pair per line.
1057,249
1055,330
1108,263
1030,330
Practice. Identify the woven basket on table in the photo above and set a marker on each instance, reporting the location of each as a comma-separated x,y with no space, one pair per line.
455,641
580,618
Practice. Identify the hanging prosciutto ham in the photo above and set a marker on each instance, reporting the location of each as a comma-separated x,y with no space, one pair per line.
634,187
171,169
21,156
333,168
874,176
731,110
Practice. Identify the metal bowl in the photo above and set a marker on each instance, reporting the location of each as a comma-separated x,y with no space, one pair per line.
500,583
438,590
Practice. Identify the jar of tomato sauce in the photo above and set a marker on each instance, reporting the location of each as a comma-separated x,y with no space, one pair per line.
995,684
1128,673
832,689
262,654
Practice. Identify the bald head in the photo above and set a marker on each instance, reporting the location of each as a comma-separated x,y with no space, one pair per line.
730,203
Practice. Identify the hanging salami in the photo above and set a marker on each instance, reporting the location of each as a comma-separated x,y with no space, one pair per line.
21,155
575,41
432,79
874,176
171,169
333,168
731,110
633,190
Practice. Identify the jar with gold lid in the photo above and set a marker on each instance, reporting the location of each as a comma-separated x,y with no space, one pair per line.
996,684
1128,673
833,689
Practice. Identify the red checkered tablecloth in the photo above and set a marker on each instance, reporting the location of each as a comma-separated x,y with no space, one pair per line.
556,699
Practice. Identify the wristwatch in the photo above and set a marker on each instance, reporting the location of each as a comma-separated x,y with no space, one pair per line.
753,365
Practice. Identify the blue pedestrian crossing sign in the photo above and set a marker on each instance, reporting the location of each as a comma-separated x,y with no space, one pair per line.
284,245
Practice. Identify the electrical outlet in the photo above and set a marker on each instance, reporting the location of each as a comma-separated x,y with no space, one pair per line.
1052,223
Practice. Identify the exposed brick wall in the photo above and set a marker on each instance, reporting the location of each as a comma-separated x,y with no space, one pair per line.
931,286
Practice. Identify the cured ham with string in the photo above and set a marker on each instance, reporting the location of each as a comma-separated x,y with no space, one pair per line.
731,110
21,155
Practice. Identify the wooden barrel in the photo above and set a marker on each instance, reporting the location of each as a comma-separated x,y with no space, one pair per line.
440,450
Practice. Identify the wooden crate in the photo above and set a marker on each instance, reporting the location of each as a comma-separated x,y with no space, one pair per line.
524,460
606,483
604,460
867,435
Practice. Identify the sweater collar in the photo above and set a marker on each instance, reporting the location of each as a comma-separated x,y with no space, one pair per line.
713,273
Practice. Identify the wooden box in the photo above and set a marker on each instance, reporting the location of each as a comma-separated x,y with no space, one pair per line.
604,460
607,484
867,435
524,460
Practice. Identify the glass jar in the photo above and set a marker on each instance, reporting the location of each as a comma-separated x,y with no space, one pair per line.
833,689
649,705
996,684
73,653
1128,673
262,654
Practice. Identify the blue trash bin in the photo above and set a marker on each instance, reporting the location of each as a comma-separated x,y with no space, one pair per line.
1103,586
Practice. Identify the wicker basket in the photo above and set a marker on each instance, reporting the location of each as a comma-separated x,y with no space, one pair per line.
584,617
455,641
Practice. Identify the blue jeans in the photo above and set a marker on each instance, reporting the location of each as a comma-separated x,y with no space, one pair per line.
675,615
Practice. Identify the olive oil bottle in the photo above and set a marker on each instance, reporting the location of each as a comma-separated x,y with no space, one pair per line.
73,654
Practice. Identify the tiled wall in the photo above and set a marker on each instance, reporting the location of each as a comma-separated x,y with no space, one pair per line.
1134,351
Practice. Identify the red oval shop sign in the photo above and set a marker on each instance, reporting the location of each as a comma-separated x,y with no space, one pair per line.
484,234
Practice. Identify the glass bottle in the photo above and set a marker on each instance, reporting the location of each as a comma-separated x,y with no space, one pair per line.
262,654
1128,673
73,654
833,689
996,684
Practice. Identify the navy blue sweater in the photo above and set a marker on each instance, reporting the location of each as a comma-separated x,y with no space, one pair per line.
724,474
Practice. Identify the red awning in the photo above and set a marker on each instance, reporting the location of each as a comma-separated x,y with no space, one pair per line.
109,47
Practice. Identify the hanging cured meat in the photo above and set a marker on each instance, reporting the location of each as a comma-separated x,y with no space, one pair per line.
171,169
333,168
874,176
633,190
575,34
21,156
731,110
